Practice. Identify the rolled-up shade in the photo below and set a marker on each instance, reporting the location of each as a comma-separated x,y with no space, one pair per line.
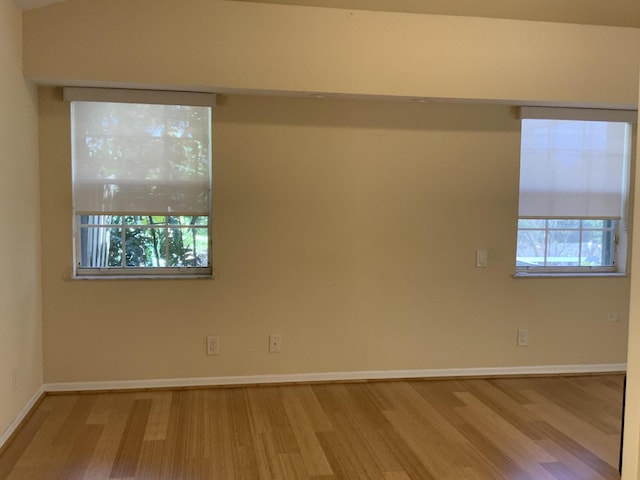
141,158
573,169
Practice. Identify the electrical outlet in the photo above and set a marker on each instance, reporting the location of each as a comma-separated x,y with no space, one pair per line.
213,345
523,337
275,343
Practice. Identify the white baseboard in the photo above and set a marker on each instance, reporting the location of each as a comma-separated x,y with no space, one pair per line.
13,426
332,377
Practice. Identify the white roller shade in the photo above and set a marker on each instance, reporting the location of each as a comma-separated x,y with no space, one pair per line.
573,168
141,158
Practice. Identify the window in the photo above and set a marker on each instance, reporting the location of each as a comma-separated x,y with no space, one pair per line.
141,182
566,242
574,168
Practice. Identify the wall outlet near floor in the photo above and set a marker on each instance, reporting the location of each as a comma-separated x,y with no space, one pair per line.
275,343
213,345
523,337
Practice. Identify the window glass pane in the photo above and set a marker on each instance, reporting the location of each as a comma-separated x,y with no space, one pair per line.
531,223
189,220
563,223
592,253
591,223
563,247
188,247
144,247
100,219
101,247
531,246
144,220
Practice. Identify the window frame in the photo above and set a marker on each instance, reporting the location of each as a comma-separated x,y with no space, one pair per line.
620,233
152,97
586,269
128,271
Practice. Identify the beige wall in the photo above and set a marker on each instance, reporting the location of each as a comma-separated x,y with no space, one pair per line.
350,227
220,45
20,320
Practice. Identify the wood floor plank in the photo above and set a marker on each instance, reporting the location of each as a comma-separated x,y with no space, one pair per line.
439,459
516,445
150,464
400,475
314,411
569,396
268,417
33,459
343,465
76,419
293,467
311,452
244,459
578,469
559,470
555,428
500,460
358,440
80,455
424,412
504,406
128,456
584,455
115,418
158,415
194,436
512,387
15,449
369,421
174,462
267,459
219,435
591,438
408,460
495,423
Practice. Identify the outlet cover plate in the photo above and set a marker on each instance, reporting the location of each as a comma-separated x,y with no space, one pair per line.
275,343
523,337
213,345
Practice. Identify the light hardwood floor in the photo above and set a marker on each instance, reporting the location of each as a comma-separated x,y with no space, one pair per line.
516,429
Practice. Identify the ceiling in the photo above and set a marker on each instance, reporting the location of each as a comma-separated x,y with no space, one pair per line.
624,13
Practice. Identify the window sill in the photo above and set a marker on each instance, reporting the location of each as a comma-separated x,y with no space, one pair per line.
568,275
143,277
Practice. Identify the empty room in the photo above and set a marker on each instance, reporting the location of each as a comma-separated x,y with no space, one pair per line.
319,239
